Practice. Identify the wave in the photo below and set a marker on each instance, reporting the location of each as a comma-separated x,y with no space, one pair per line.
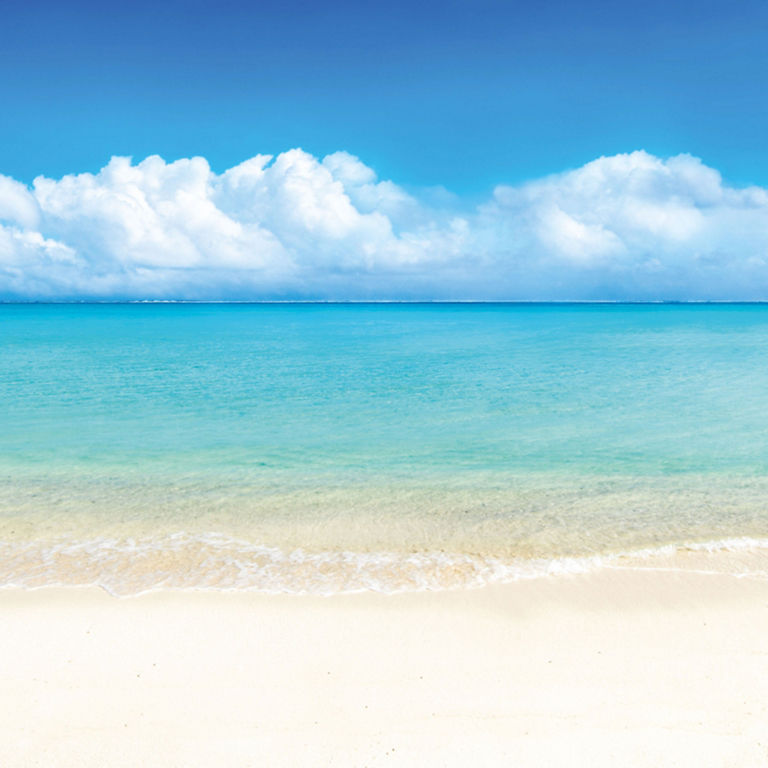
213,561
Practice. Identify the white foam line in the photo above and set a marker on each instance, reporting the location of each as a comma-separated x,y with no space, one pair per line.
270,570
760,575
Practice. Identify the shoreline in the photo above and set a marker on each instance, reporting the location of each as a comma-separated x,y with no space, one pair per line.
634,667
175,564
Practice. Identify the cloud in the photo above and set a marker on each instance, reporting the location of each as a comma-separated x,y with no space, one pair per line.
630,226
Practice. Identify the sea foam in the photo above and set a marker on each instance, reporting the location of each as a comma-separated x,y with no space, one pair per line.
214,561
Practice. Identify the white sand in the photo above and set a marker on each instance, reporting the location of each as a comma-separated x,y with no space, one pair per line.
619,668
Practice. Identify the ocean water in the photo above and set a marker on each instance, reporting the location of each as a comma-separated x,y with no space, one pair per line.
326,448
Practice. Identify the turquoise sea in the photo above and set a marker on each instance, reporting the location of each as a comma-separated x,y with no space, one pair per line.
333,447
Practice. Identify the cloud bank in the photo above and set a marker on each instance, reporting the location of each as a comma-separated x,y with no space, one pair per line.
631,226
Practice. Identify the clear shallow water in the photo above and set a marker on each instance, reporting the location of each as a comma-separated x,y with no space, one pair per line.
333,447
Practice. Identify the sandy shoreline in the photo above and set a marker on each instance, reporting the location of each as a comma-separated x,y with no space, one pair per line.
615,668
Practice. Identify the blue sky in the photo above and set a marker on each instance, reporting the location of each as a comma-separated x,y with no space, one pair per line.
461,94
349,150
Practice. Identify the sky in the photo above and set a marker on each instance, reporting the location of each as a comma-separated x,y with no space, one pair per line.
467,125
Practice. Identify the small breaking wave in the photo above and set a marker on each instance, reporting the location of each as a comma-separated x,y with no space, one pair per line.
213,561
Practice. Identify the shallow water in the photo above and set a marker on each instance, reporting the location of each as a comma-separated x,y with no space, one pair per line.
336,447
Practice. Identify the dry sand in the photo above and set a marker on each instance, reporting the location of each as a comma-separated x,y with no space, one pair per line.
617,668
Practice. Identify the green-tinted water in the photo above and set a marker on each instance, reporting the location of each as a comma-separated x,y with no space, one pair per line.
191,445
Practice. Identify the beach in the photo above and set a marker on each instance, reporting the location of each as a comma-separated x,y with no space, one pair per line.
383,384
415,535
631,667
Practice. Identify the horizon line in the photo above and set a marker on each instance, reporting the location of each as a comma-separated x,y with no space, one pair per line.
24,302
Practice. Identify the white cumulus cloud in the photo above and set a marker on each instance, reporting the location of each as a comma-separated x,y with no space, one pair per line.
295,226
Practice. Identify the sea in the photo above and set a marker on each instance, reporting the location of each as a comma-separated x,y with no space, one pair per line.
325,448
